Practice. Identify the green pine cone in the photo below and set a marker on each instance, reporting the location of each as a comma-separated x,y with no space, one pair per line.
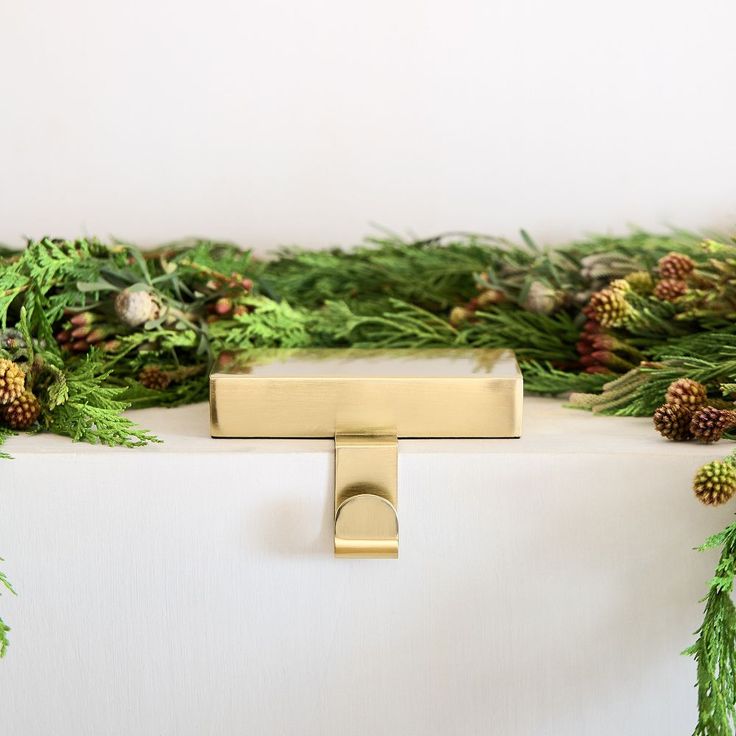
715,482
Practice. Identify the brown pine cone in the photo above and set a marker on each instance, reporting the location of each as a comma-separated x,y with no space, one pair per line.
608,307
708,423
673,422
721,403
676,266
667,290
22,412
12,381
687,392
715,482
152,376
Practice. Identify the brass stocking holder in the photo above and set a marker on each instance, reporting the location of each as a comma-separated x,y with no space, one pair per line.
365,400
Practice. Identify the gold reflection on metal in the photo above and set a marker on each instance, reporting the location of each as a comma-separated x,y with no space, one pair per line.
365,399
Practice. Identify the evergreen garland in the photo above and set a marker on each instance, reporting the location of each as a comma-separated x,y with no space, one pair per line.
89,329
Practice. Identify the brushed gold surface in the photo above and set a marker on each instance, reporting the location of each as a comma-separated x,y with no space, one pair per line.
366,498
410,393
365,399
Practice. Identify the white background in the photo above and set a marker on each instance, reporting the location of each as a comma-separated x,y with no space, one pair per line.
269,122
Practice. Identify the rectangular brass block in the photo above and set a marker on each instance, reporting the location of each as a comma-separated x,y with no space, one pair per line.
408,393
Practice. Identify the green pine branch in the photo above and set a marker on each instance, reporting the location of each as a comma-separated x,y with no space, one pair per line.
545,379
715,648
4,434
4,628
92,411
709,358
405,325
267,324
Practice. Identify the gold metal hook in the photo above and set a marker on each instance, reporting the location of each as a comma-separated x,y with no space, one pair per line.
366,522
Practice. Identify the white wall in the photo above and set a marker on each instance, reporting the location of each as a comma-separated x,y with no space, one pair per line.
305,121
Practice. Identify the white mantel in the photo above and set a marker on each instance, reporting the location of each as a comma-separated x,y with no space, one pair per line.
545,586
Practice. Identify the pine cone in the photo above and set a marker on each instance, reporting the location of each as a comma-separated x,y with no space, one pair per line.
640,282
715,482
608,307
12,381
134,308
152,376
676,266
667,290
673,422
687,392
22,412
708,423
721,403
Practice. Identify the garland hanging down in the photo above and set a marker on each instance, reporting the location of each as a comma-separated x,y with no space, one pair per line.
641,326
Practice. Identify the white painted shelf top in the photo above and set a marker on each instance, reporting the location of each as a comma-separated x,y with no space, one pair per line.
549,428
